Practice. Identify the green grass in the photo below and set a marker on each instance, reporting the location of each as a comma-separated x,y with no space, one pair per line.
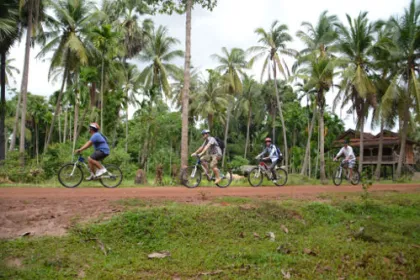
345,236
293,180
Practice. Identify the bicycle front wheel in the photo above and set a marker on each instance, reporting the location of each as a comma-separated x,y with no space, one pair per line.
337,177
112,178
255,177
70,175
355,178
281,177
226,178
191,177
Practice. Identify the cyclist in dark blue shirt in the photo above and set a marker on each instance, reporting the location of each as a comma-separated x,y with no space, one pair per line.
100,144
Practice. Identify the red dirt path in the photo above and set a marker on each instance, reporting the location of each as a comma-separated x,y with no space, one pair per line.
52,211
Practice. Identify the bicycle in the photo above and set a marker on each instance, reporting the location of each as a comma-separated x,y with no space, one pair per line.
71,175
191,176
256,175
338,175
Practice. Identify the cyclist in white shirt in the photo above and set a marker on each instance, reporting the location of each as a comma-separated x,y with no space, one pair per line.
349,156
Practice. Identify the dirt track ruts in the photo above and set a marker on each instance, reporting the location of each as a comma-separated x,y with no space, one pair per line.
52,211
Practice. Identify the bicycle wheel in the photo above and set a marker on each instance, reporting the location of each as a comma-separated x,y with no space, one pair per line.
191,177
70,175
255,177
337,179
355,178
113,177
281,176
226,179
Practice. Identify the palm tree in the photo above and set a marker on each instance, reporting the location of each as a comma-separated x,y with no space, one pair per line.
159,53
231,65
319,75
212,98
9,30
273,43
106,41
356,43
404,88
131,87
319,38
251,91
69,26
10,70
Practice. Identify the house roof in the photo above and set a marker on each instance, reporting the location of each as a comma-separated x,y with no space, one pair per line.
370,140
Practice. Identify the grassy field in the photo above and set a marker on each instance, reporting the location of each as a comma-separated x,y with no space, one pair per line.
229,238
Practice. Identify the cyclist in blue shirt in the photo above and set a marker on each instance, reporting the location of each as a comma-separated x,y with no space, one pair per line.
100,144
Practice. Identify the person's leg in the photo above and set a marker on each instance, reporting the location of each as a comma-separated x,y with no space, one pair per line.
272,169
96,159
204,162
213,165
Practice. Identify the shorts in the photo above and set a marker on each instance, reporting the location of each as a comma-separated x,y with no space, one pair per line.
212,159
98,155
350,163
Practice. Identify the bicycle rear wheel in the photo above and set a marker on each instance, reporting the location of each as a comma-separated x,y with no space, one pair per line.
191,177
113,177
281,177
338,178
226,178
70,175
255,177
355,178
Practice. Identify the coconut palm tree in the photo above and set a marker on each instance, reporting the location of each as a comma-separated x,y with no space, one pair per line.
272,45
404,88
69,26
356,44
319,74
211,98
231,64
250,94
9,31
106,41
159,54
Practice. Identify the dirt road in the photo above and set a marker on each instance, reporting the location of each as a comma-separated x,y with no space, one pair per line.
52,211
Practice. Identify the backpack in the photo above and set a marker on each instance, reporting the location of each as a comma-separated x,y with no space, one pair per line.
106,139
220,143
279,153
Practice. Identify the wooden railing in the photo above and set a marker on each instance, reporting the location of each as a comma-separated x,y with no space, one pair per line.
375,158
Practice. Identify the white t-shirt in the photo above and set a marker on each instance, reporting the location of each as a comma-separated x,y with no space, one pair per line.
347,152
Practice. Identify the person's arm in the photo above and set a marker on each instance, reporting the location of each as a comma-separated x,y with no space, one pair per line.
84,147
205,149
339,154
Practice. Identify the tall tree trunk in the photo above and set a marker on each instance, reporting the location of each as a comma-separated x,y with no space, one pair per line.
226,132
403,139
65,126
57,106
210,121
102,93
24,84
186,87
247,131
362,137
286,153
3,107
308,144
126,129
380,152
37,142
82,121
321,146
273,127
76,115
15,124
60,139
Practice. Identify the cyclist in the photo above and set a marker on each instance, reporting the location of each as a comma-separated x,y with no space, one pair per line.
273,156
100,144
349,157
214,154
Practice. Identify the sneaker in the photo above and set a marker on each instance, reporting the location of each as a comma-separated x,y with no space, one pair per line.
101,172
275,181
218,181
91,177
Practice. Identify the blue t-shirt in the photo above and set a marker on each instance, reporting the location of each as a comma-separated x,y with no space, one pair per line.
99,143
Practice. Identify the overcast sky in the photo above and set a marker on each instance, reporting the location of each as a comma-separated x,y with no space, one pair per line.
232,24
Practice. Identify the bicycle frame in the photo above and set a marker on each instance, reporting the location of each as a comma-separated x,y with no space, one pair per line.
199,164
81,160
